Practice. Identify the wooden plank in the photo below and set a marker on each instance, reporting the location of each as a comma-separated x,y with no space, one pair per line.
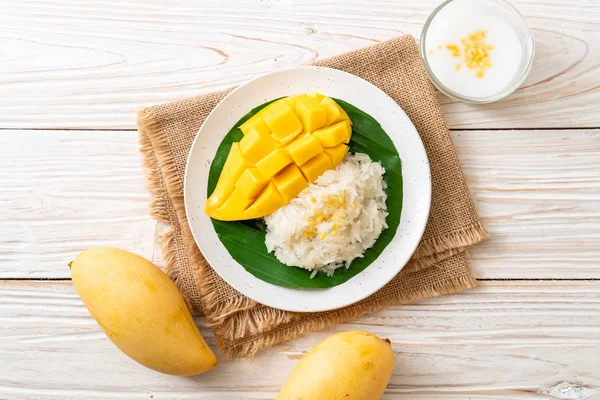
538,193
90,64
64,191
67,191
504,340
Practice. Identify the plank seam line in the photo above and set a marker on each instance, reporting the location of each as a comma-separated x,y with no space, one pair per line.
579,128
71,129
586,128
535,279
478,279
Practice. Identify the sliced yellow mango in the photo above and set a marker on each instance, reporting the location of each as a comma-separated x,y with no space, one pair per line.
292,101
311,113
258,123
337,153
315,167
334,134
317,96
335,113
233,209
282,121
290,182
286,146
266,203
232,170
304,148
348,131
255,146
273,163
251,182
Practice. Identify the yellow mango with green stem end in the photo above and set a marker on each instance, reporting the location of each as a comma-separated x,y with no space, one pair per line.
141,311
353,365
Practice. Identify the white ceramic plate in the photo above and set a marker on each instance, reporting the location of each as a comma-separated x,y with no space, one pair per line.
365,96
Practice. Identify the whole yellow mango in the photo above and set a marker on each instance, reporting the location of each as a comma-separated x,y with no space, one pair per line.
141,310
353,365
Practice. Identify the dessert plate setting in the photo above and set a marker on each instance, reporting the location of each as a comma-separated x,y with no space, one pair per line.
307,189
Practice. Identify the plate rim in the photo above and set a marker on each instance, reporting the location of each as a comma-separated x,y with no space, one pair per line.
338,304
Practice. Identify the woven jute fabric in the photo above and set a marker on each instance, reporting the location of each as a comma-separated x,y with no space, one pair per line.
438,266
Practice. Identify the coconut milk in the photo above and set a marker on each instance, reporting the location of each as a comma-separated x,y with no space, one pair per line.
472,50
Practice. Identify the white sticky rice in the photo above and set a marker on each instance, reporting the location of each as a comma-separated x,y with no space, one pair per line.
334,220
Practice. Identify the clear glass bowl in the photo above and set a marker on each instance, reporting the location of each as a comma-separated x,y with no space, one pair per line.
519,24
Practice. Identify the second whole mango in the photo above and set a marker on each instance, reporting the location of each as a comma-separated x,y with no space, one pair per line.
352,365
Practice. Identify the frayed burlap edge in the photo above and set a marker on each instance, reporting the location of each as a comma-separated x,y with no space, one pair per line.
236,319
287,326
432,251
162,208
460,238
418,264
233,311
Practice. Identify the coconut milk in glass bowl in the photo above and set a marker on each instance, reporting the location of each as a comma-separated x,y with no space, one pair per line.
477,51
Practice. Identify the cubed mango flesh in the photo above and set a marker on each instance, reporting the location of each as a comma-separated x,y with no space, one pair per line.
267,202
311,113
233,209
232,170
304,148
334,134
255,146
257,123
286,146
315,167
290,182
292,101
335,113
273,163
317,96
282,121
337,153
251,182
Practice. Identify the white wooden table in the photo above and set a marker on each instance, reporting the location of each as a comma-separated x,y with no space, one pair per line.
72,75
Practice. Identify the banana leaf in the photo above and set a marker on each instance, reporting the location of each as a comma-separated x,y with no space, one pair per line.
245,240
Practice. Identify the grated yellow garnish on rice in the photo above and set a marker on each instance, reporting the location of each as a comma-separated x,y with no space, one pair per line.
334,220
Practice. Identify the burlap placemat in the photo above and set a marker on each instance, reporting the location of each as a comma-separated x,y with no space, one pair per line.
438,267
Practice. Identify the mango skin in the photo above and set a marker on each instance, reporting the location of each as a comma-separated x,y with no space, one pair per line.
353,365
141,311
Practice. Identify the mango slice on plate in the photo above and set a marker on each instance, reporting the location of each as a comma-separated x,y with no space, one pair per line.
257,125
282,121
251,182
304,148
255,146
334,134
312,114
335,113
315,167
232,170
273,163
286,146
337,153
290,182
267,202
